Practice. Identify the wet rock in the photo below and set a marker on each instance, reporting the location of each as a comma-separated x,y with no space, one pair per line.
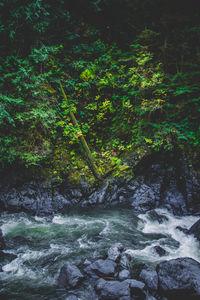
96,238
157,217
184,230
150,277
125,260
1,270
99,196
6,258
171,242
101,268
179,278
86,262
159,250
72,297
143,199
112,290
114,252
124,274
70,276
150,297
2,242
195,230
174,201
137,288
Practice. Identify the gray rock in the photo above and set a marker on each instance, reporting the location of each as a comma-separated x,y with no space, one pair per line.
157,217
143,199
184,230
124,274
72,297
179,278
125,260
70,276
195,230
101,268
159,250
112,290
137,288
150,297
150,277
114,252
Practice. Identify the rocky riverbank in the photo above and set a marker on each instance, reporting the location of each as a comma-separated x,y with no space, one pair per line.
161,180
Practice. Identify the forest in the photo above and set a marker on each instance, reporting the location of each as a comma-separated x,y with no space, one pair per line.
87,83
99,150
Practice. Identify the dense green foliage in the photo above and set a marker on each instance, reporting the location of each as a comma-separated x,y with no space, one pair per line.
130,70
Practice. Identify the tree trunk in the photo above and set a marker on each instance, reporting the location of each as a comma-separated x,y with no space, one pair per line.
84,144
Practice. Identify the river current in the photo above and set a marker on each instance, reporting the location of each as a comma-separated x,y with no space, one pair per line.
49,242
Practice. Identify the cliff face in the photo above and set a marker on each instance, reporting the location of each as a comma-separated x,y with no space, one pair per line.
161,180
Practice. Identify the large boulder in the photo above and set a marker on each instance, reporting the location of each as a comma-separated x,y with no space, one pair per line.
173,183
70,276
102,268
150,277
179,278
144,199
137,289
112,290
195,230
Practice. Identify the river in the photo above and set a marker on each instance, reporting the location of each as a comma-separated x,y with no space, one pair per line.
51,241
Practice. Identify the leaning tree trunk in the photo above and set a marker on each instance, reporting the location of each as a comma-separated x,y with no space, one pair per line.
84,144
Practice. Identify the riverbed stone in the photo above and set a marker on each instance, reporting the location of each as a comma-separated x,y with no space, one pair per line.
2,242
184,230
150,277
124,274
70,276
114,252
101,268
112,290
179,278
159,250
195,230
125,260
157,217
137,288
72,297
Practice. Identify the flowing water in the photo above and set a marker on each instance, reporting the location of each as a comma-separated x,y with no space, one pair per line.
51,241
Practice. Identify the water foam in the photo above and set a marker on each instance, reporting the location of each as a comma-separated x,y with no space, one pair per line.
189,246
